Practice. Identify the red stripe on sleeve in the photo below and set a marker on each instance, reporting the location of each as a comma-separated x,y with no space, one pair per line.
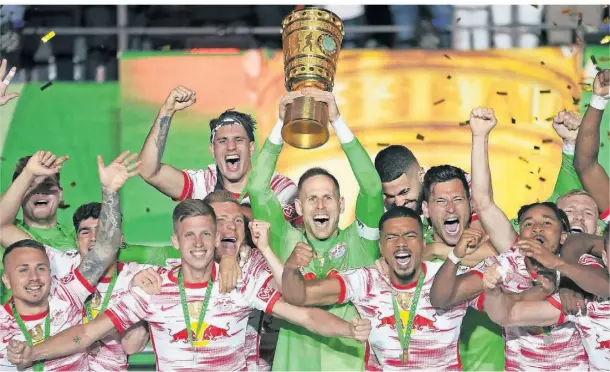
84,281
343,290
115,320
187,189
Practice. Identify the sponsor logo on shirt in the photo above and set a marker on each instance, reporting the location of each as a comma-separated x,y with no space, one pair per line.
337,251
208,332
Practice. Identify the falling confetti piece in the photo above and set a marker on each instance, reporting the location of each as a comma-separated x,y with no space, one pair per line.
593,59
579,19
550,118
420,137
502,93
566,11
63,205
528,187
542,63
545,91
604,59
536,6
446,56
48,36
463,124
555,24
72,184
535,118
147,210
605,40
587,88
457,20
383,144
575,100
513,121
448,77
439,102
536,147
547,140
531,172
47,84
523,159
539,169
569,87
542,179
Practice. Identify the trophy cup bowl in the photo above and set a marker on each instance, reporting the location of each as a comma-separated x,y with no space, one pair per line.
311,40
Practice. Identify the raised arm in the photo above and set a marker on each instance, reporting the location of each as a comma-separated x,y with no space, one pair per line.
265,204
578,244
260,238
449,288
591,173
42,163
163,177
71,341
497,226
5,81
108,239
566,124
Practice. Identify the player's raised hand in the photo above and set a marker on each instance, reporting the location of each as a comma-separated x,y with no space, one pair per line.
482,121
45,163
260,234
287,99
361,329
229,273
566,124
601,84
469,242
6,80
19,353
148,280
179,99
326,97
114,175
301,256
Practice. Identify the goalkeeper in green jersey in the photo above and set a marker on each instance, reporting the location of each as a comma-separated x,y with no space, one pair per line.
320,204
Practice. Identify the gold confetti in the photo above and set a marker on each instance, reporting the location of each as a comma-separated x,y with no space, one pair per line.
46,85
587,88
524,159
502,93
439,102
528,187
383,144
566,11
545,91
448,77
542,179
513,121
446,56
547,140
536,147
420,137
48,36
605,40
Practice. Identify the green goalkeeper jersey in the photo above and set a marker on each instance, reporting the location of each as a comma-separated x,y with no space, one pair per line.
356,246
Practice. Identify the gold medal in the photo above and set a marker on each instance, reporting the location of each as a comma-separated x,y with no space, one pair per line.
404,300
405,356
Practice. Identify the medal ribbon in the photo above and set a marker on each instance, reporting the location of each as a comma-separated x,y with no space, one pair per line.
106,298
185,310
38,366
405,337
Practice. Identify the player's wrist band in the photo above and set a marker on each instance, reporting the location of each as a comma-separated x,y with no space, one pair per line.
276,133
599,102
453,258
568,148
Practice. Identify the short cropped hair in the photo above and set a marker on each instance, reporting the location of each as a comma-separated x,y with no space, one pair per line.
561,215
192,208
84,212
312,172
25,243
574,193
400,212
394,161
444,173
220,196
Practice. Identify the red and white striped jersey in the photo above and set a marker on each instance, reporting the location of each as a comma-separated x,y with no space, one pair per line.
199,183
605,216
594,328
66,301
524,346
434,343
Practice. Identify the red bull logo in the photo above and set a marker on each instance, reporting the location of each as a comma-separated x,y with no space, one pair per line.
387,320
603,344
212,333
420,322
182,336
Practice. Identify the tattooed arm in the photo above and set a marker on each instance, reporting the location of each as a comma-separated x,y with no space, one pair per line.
163,177
108,239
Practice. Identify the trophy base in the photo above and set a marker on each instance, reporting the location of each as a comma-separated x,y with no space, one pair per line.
306,123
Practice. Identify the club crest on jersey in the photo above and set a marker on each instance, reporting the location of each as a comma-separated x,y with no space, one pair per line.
67,278
71,254
266,292
289,210
58,318
224,304
337,251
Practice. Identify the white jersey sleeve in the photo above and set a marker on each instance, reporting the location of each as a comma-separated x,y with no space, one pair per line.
73,288
198,183
130,309
62,262
355,285
260,292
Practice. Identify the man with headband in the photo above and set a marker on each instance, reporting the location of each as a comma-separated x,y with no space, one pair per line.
231,145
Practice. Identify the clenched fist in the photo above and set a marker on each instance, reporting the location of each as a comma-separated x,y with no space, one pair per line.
482,121
469,242
260,234
361,329
179,99
601,84
301,256
566,125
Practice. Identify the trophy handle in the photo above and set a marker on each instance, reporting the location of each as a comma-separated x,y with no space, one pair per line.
306,123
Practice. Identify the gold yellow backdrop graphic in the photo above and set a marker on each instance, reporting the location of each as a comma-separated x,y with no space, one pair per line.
413,98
